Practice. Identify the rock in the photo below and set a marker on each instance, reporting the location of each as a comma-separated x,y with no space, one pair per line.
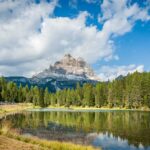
64,74
70,68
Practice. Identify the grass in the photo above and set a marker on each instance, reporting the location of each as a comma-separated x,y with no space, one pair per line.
12,108
32,143
101,108
8,108
7,143
10,139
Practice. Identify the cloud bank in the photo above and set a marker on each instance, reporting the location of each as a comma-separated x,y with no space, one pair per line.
109,73
32,37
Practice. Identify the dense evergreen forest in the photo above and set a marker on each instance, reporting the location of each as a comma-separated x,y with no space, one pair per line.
132,91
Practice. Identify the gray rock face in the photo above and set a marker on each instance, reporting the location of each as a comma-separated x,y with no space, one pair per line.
64,74
70,68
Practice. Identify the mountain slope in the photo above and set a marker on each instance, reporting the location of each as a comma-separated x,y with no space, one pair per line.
64,74
70,68
53,84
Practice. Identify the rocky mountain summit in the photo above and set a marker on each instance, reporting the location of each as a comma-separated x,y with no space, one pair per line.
70,68
64,74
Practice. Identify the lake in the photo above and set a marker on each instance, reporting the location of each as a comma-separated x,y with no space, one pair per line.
111,130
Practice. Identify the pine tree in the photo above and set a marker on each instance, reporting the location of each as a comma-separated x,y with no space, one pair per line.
41,98
53,99
64,95
20,94
46,97
11,92
97,95
88,95
68,98
79,95
31,94
26,94
136,90
145,89
110,95
36,97
4,95
3,88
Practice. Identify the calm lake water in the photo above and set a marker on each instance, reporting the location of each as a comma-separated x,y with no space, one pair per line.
111,130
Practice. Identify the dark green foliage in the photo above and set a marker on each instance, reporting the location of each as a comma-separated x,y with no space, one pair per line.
132,91
36,96
79,95
46,97
41,98
88,91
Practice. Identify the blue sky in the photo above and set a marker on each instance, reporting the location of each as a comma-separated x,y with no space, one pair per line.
112,35
132,48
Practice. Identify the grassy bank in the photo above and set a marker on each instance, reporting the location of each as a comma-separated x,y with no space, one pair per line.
11,139
19,142
101,108
9,144
12,108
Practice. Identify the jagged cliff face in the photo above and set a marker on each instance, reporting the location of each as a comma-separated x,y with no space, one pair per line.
64,74
69,67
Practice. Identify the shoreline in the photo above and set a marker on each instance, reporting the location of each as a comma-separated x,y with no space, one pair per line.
74,108
7,109
15,108
32,143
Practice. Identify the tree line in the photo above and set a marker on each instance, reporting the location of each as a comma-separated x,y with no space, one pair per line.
132,91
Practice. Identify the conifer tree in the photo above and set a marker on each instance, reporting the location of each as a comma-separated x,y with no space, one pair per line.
88,95
41,98
36,98
136,91
97,95
20,94
79,95
110,95
46,97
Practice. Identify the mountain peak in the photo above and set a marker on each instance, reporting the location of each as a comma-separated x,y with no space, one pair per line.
69,67
67,55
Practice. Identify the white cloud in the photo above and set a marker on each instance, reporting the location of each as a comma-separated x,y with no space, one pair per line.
111,72
19,28
119,18
31,37
26,69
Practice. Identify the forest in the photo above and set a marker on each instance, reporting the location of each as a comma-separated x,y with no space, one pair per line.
131,91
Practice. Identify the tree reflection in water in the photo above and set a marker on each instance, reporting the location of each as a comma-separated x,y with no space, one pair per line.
109,129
